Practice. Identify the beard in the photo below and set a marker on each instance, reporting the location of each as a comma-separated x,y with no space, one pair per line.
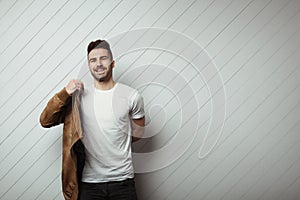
102,77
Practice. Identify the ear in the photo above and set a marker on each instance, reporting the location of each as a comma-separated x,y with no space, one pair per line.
88,62
113,64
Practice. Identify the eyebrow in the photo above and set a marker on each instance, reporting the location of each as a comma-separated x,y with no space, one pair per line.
92,59
101,57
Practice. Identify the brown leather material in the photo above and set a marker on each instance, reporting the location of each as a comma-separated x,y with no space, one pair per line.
60,110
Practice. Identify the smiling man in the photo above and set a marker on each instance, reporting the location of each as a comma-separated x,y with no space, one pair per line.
111,116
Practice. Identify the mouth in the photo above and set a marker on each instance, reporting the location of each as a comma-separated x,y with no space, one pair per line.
100,70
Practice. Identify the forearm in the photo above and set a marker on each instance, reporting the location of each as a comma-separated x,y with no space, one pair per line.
137,134
137,129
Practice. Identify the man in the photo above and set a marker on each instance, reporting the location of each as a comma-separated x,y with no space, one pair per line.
109,118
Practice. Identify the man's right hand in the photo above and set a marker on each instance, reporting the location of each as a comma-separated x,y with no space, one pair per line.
74,85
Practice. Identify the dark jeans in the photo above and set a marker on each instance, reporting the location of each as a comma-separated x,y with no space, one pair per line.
117,190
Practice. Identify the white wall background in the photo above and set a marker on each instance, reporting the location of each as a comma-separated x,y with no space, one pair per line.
253,43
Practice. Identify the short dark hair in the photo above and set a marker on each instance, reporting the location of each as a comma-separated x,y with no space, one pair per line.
103,44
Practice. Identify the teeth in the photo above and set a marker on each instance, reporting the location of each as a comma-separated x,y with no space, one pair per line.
100,70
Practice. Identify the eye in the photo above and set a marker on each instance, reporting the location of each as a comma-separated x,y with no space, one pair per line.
103,58
92,60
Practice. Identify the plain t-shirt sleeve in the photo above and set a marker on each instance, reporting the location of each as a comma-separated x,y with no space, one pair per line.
137,106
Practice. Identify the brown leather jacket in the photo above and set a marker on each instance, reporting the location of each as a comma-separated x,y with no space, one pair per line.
61,110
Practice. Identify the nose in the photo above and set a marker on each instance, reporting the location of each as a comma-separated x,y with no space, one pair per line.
98,62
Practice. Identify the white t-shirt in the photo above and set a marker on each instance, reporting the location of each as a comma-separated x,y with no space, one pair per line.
105,116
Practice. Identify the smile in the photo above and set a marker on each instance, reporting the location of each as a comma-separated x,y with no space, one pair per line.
100,71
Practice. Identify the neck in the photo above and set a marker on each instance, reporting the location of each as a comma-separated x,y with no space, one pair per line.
105,85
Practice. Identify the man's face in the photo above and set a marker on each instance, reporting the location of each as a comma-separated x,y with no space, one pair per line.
100,64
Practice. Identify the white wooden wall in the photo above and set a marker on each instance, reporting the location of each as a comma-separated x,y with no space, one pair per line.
241,92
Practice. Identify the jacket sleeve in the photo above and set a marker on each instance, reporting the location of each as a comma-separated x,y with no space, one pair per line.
54,113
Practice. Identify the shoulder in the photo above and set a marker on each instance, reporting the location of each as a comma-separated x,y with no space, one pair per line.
126,90
125,87
131,94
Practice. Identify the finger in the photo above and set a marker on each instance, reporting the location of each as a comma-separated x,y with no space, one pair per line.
77,84
78,87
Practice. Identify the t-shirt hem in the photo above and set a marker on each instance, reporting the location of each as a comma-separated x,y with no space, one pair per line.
107,180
